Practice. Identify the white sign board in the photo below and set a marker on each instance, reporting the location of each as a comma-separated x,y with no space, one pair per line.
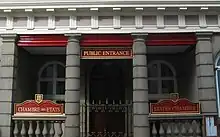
211,129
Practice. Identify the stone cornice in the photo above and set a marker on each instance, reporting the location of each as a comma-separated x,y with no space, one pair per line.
139,36
5,5
73,37
109,20
7,37
99,2
204,36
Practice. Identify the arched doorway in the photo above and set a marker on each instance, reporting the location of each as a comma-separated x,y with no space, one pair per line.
106,95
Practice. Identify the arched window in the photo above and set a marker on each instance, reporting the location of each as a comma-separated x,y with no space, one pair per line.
161,78
217,76
51,79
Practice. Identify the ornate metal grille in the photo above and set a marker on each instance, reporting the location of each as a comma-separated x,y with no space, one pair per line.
106,119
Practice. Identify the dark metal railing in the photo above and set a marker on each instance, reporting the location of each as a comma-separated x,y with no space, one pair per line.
106,119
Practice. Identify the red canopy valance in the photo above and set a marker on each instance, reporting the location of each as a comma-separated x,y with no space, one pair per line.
107,40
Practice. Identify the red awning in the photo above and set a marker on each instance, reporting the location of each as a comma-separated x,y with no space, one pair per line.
106,40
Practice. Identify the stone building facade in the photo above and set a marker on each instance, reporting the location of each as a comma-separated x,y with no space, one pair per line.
174,50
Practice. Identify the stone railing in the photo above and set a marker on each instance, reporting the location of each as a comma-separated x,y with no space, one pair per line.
160,125
38,127
173,126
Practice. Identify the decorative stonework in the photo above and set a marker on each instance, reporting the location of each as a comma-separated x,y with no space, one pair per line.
115,18
51,5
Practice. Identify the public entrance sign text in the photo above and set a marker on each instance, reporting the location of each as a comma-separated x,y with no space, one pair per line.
106,53
38,107
174,106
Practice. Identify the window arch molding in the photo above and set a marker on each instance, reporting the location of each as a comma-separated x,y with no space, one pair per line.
217,61
217,80
47,64
55,76
164,62
158,79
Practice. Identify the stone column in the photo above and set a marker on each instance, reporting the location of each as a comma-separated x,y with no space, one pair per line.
205,74
8,82
140,87
72,93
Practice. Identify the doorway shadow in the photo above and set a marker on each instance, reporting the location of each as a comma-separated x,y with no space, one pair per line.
106,93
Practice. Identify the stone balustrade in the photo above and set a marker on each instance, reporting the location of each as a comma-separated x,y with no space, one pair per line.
39,127
176,126
160,125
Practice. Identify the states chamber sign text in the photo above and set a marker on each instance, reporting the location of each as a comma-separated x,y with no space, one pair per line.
38,107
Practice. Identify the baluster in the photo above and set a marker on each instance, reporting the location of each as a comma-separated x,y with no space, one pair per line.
37,131
194,127
52,130
198,129
23,129
16,131
59,130
172,124
176,130
187,125
183,129
45,132
154,130
173,129
30,129
169,129
161,130
190,131
180,126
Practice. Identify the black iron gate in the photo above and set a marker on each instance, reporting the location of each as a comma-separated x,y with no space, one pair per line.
100,119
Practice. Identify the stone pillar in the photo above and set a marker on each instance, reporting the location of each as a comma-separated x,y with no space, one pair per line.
8,82
140,87
205,74
72,93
